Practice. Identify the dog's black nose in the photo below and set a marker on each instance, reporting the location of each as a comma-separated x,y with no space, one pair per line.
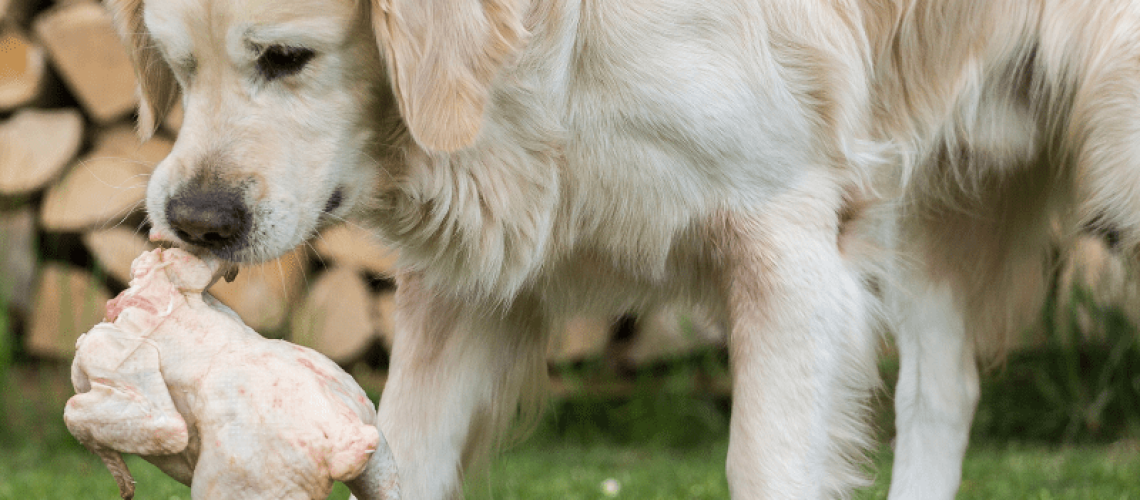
209,217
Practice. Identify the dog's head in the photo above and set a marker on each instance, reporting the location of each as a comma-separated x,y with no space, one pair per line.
284,104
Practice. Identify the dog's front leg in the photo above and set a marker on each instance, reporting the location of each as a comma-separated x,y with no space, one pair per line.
937,391
803,357
460,372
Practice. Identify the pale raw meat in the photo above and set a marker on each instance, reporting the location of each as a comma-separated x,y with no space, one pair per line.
175,377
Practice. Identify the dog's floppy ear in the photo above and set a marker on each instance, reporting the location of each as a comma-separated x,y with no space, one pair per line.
157,87
442,56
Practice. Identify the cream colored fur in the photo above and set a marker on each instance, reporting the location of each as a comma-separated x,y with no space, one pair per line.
763,159
1004,115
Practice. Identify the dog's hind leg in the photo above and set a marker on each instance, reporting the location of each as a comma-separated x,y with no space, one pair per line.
461,372
936,394
802,353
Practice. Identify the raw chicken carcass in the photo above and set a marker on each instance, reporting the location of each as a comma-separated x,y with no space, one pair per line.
174,376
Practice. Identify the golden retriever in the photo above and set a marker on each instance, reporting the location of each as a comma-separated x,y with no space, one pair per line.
768,160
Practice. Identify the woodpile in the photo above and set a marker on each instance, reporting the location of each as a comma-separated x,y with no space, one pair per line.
68,300
83,47
72,184
1093,281
665,334
22,69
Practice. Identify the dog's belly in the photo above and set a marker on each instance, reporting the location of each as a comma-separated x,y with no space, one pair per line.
630,209
591,283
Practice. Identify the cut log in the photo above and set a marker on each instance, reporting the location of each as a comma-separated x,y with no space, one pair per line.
97,193
106,186
334,318
115,249
122,142
22,70
669,333
68,302
354,246
82,44
35,146
17,12
263,294
17,259
384,317
583,338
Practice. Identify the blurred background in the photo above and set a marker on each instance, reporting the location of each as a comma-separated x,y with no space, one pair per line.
639,406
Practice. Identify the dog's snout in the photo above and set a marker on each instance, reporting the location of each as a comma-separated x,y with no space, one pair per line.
209,217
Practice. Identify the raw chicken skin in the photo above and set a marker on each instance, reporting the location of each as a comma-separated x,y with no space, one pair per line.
174,376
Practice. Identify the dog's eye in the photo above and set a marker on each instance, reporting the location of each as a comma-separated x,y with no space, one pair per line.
279,60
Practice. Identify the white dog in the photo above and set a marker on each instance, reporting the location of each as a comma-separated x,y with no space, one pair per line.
533,159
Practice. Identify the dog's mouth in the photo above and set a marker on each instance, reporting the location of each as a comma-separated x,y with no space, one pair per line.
334,202
229,272
220,268
218,223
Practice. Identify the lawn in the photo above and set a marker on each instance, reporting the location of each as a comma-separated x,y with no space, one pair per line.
547,469
991,472
655,446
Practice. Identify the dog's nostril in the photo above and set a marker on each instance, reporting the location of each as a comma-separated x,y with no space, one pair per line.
205,233
208,218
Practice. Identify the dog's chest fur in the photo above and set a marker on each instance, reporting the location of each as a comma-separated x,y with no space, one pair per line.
603,151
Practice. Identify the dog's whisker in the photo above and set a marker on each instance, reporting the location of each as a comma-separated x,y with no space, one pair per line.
139,228
301,263
85,165
281,278
126,215
307,244
125,159
320,236
335,217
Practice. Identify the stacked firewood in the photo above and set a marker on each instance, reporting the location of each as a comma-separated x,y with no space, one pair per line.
1094,280
72,185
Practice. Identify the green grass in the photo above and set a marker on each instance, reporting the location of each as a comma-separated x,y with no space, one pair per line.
549,469
572,471
581,447
662,441
1044,472
34,471
991,471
